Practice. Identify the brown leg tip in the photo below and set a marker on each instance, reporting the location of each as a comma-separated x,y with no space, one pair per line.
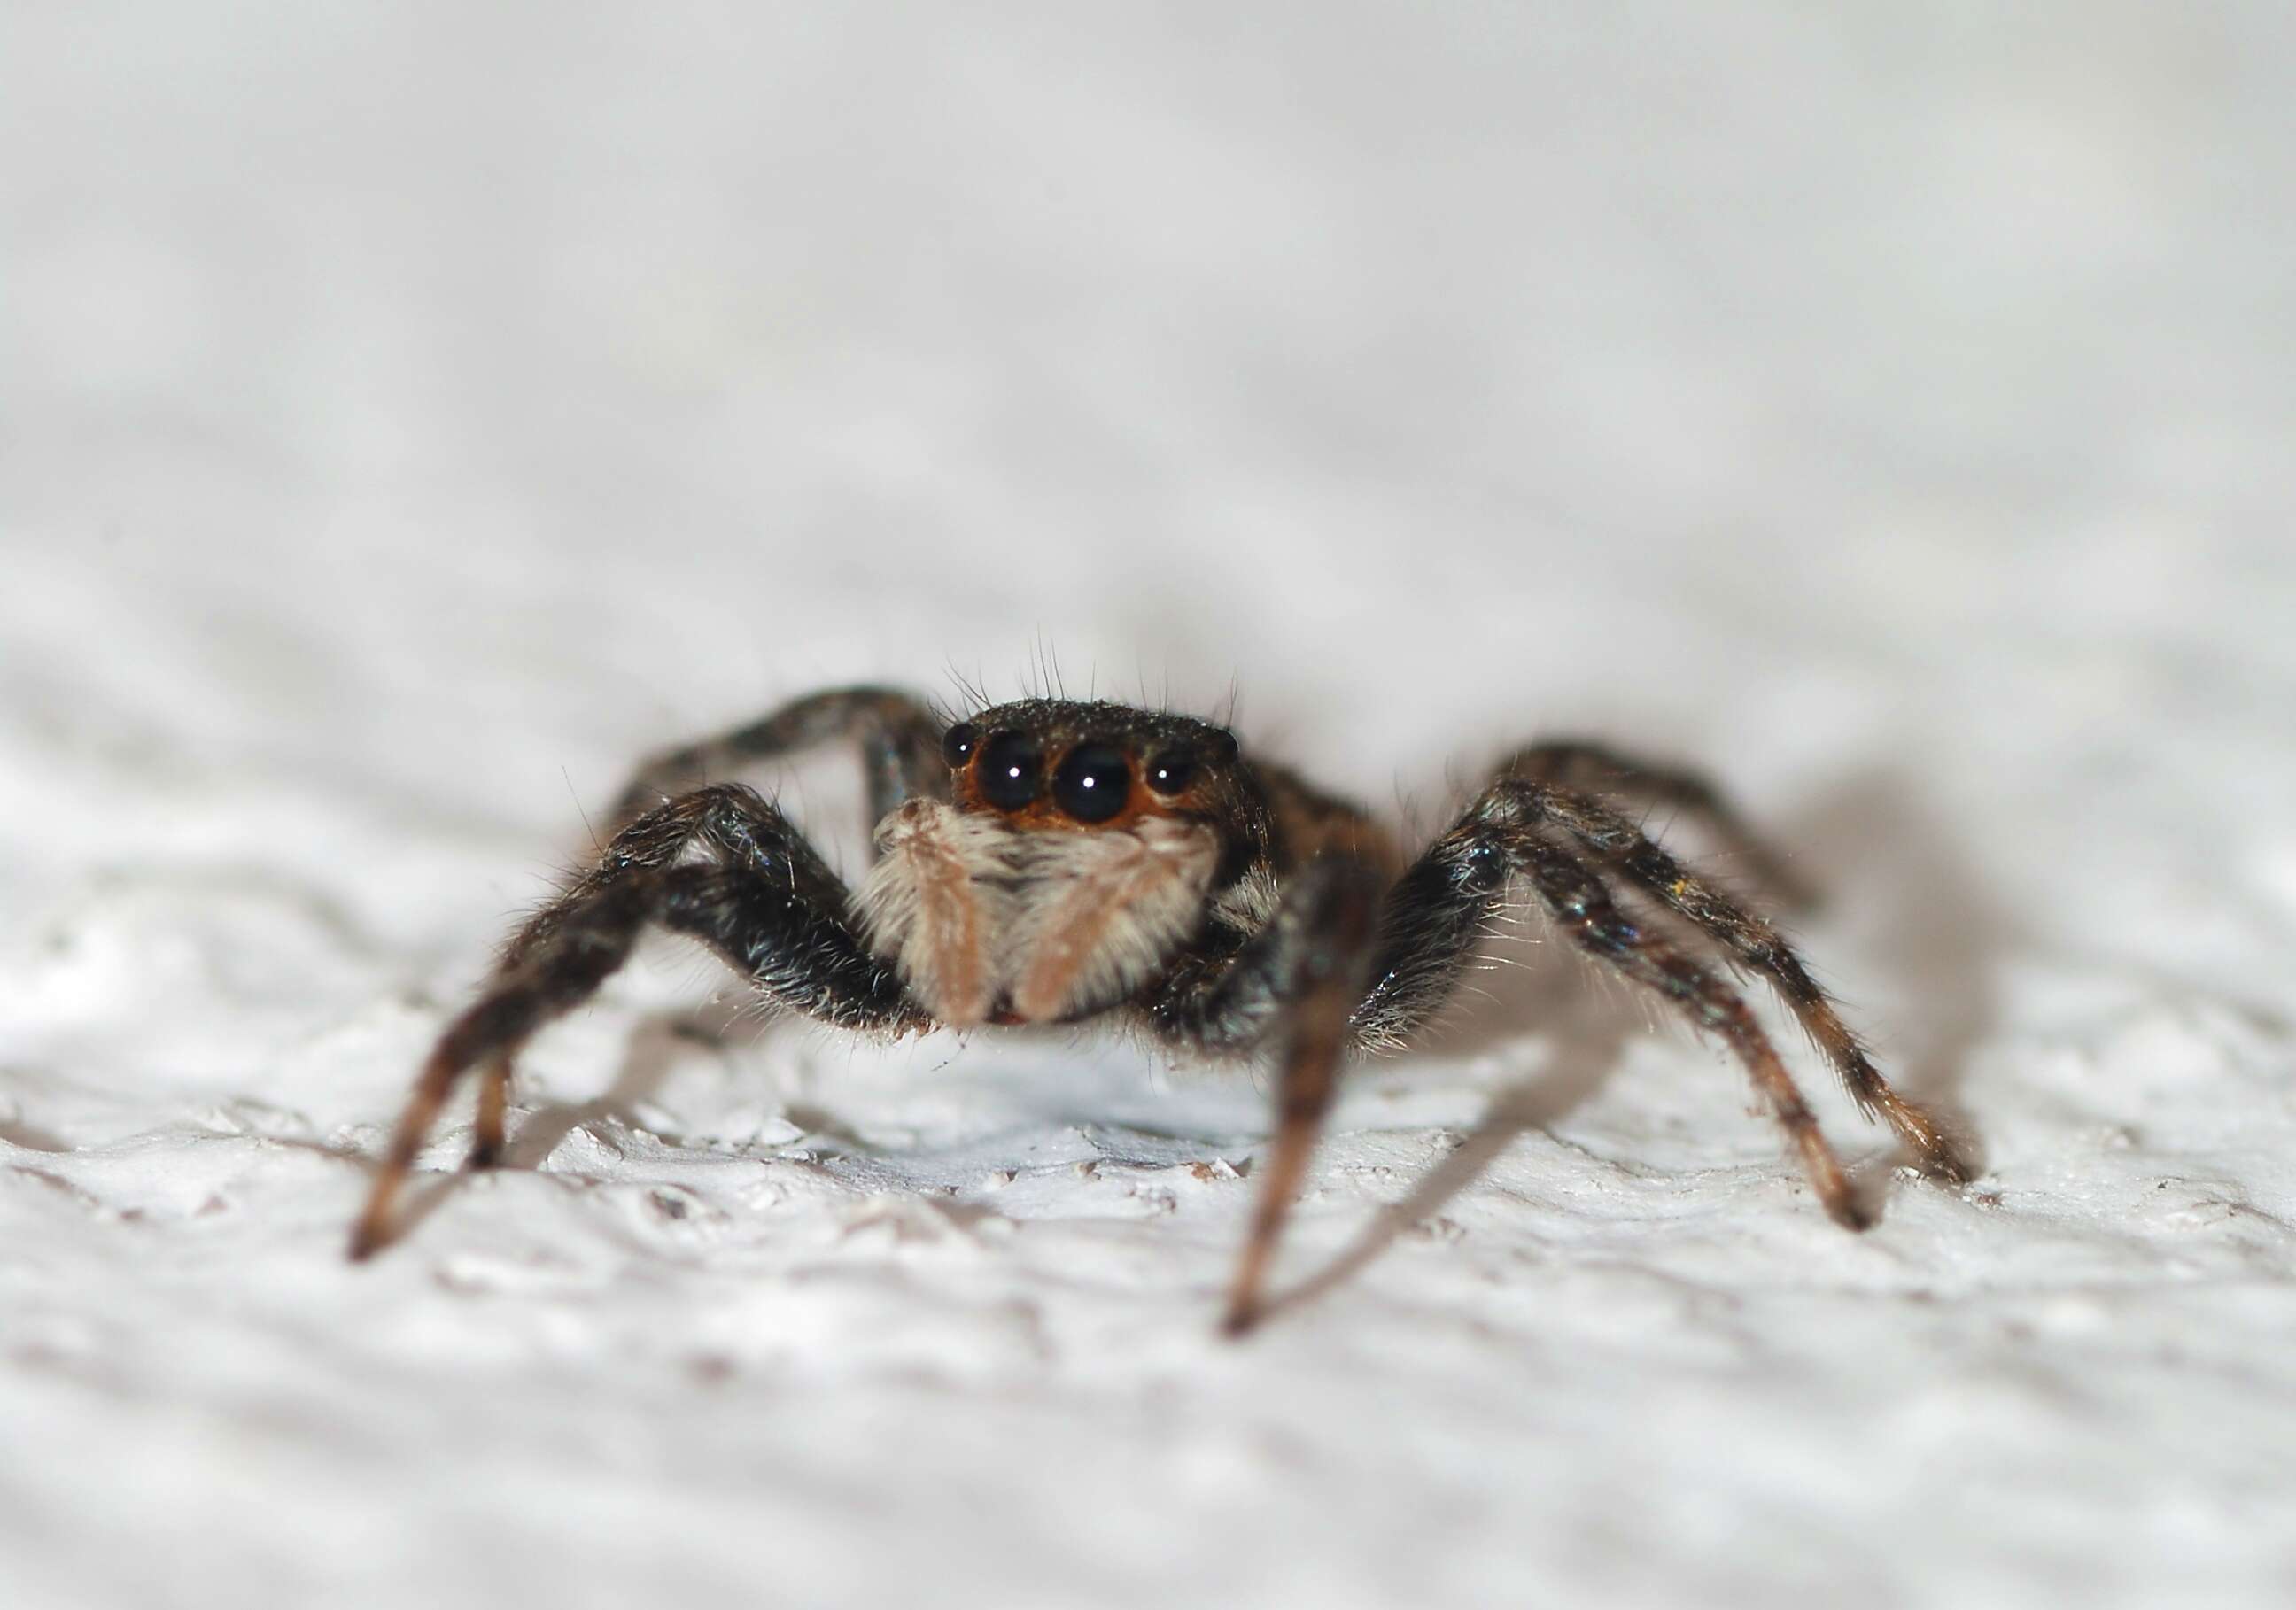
1949,1166
1239,1322
364,1245
1852,1214
486,1154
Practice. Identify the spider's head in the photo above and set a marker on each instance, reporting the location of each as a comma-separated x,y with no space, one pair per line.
1079,847
1050,763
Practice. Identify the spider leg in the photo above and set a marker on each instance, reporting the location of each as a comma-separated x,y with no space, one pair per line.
1439,909
1441,906
729,822
1575,895
1746,938
899,739
765,902
488,1134
1583,764
1298,978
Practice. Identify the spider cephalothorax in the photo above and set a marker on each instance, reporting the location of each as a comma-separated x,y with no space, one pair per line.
1077,847
1048,861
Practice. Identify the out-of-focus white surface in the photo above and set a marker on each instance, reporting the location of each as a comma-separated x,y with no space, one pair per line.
410,414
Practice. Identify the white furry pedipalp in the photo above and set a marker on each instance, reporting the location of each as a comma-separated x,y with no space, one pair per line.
1100,913
937,904
975,915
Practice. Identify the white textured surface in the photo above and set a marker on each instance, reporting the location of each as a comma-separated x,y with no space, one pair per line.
410,414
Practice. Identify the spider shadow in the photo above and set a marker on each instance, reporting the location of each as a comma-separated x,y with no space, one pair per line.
1588,1046
32,1138
1552,993
1942,935
655,1046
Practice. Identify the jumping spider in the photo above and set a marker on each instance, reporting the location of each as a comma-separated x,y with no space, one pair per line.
1047,861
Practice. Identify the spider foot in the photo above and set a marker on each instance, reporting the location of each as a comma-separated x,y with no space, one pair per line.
1937,1152
366,1240
1850,1211
1947,1166
1239,1320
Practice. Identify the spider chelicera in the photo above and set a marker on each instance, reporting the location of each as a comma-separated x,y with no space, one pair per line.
1047,861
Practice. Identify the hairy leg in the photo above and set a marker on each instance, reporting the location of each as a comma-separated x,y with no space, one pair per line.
1442,907
729,822
1746,937
766,904
900,739
1574,895
1587,766
1295,982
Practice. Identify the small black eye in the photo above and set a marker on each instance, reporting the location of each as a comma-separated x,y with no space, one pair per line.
1092,782
1224,747
957,744
1012,770
1171,771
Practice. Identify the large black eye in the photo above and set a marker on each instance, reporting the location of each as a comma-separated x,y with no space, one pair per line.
1092,782
957,744
1012,770
1171,771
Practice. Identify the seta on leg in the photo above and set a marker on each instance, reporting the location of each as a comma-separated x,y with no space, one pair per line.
1441,908
730,824
1574,895
1589,767
765,902
558,973
1746,937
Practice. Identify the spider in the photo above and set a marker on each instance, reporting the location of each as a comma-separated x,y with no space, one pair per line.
1049,861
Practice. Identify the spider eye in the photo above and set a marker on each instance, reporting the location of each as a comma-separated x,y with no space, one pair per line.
1092,782
958,743
1012,770
1171,771
1224,747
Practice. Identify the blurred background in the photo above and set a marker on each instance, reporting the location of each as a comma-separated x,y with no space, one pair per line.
1567,361
410,414
452,395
